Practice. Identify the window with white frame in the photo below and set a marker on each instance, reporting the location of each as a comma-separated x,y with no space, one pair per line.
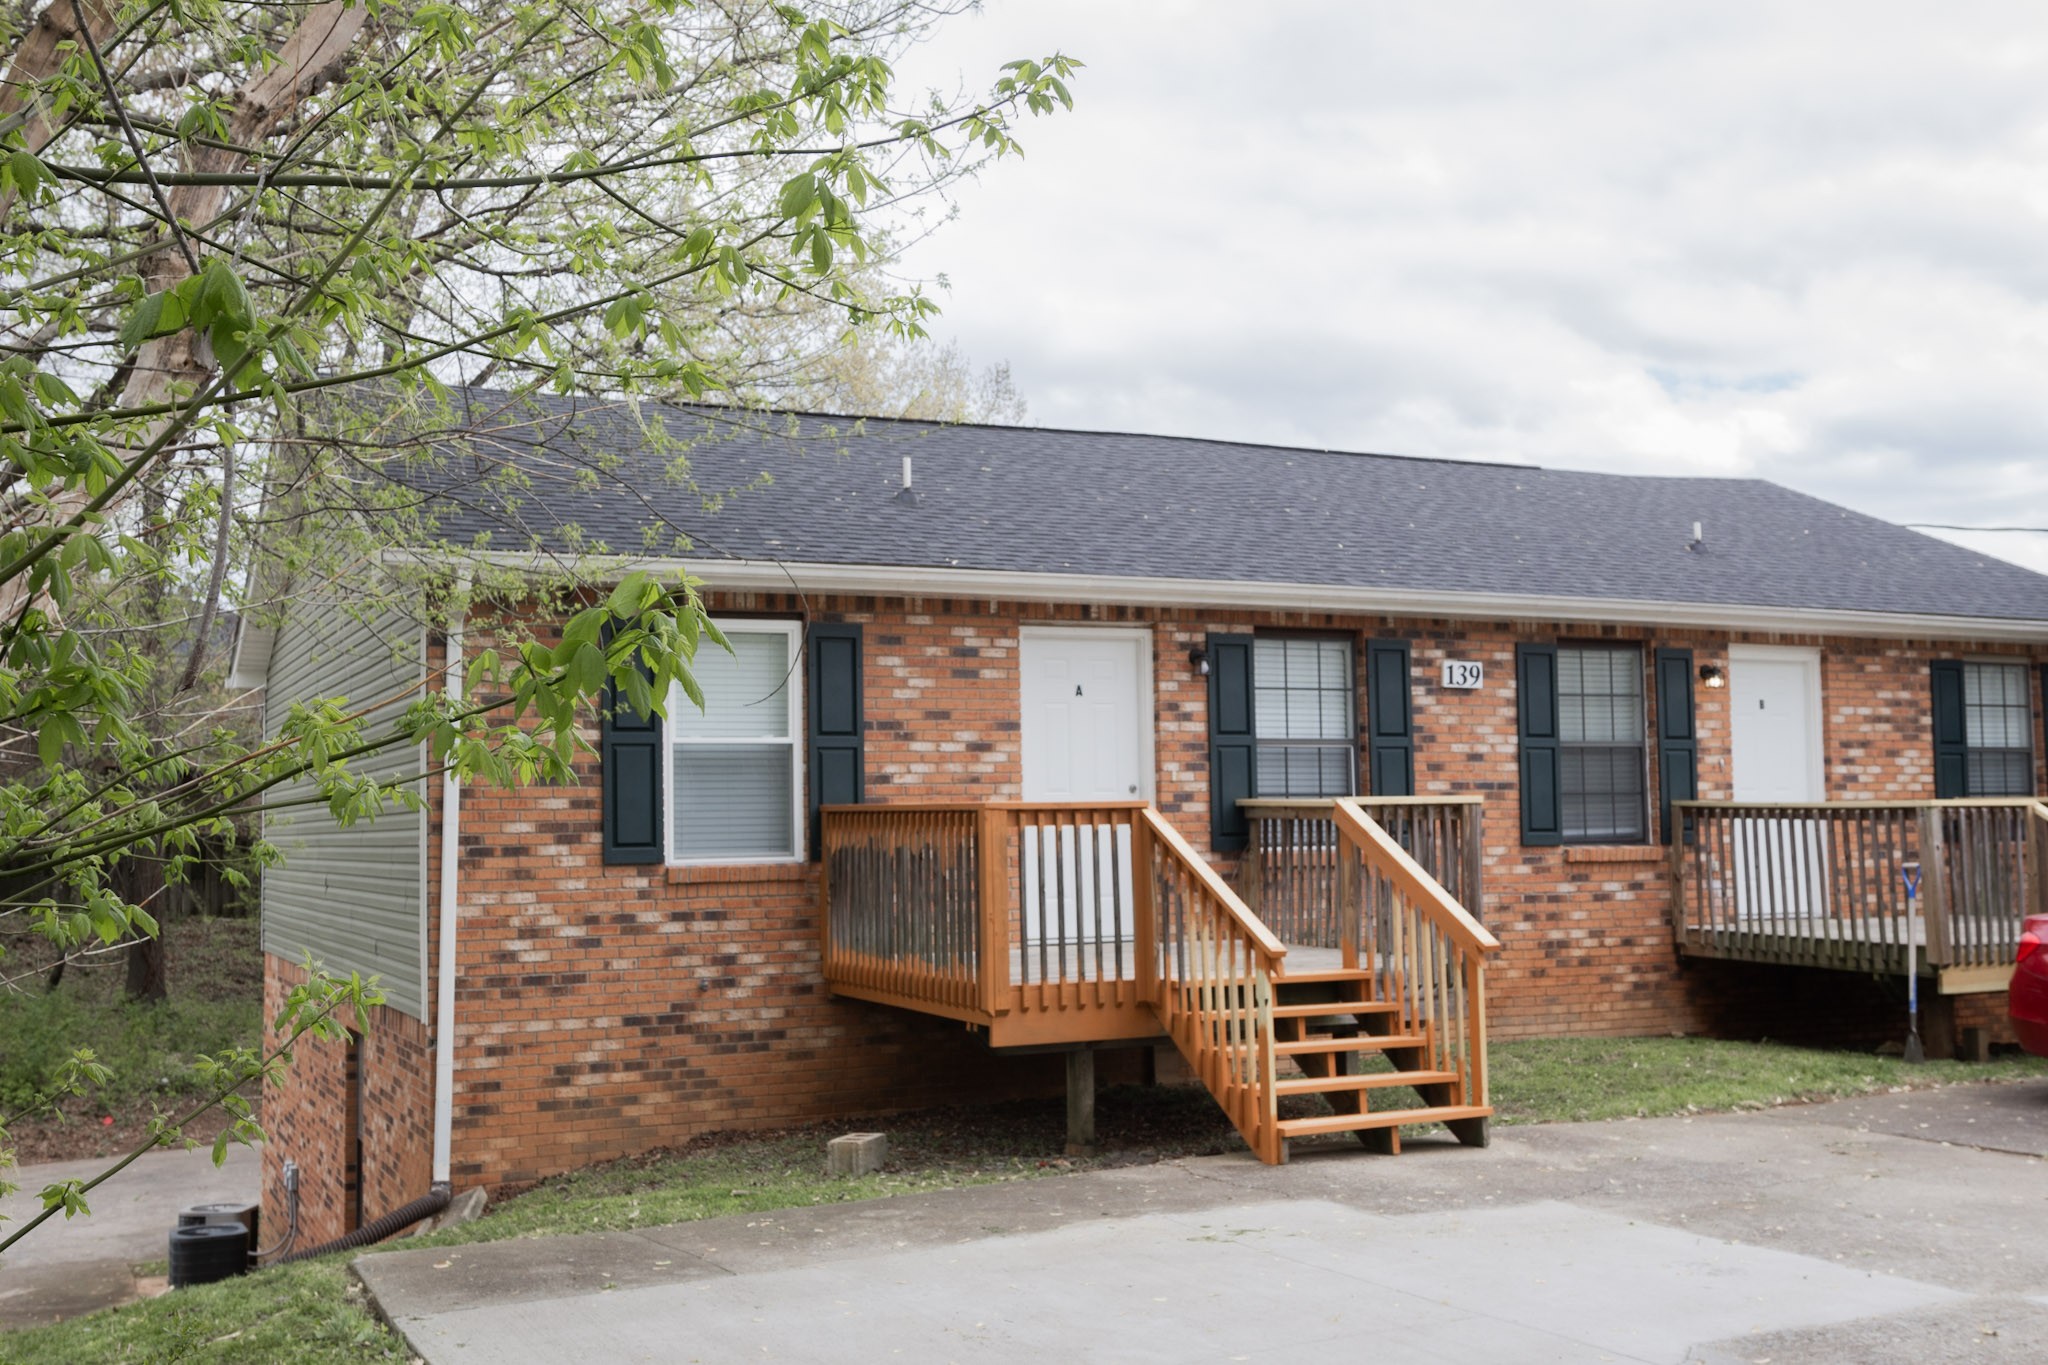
2000,730
735,768
1306,720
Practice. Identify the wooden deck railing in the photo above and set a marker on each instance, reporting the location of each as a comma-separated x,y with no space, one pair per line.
1290,868
1064,911
902,904
1214,993
1424,950
1052,923
1823,884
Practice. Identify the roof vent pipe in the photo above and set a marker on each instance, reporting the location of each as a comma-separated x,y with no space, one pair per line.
1699,536
906,495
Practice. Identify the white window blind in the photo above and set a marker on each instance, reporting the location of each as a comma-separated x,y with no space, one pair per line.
734,766
1305,716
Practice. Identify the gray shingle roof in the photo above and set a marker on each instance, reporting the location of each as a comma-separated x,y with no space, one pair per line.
823,491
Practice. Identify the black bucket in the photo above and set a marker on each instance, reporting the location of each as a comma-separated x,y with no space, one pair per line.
206,1252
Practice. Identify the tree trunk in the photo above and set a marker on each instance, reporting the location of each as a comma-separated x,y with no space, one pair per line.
38,53
310,58
148,983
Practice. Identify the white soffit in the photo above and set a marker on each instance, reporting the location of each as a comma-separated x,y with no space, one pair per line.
250,666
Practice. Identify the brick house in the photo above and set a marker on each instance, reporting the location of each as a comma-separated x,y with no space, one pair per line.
969,627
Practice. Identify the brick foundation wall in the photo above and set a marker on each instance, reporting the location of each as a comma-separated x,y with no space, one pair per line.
307,1117
608,1010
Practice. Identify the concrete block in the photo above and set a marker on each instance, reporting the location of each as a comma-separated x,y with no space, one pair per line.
466,1207
856,1154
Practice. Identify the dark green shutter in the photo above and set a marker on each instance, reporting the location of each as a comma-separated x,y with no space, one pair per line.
1389,718
1536,722
1678,761
1951,732
1233,740
836,749
630,752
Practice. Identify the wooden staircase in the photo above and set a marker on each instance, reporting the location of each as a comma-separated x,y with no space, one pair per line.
1062,926
1330,1027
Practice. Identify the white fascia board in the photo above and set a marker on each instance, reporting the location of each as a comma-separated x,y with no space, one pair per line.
886,580
249,667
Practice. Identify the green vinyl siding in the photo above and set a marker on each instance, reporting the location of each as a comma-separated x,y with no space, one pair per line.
351,897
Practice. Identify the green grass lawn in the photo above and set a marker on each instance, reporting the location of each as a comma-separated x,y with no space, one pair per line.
313,1313
1572,1080
308,1314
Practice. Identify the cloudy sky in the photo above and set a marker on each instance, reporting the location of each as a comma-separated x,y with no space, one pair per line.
1804,242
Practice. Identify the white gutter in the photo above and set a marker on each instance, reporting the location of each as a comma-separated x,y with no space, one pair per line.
444,990
883,580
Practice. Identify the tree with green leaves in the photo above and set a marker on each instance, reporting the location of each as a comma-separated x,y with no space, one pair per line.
254,250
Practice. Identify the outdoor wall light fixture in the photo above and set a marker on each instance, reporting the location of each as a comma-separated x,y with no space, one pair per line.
1712,676
1198,658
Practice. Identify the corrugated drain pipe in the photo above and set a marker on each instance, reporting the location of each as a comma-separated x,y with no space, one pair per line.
396,1221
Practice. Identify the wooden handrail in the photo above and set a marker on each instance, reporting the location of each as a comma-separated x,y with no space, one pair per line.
1294,879
1946,802
1269,946
865,807
1213,990
1410,878
1323,802
1421,949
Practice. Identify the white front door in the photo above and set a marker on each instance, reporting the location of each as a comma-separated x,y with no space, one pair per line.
1087,719
1774,733
1087,737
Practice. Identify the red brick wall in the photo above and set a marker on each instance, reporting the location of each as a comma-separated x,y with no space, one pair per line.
606,1010
306,1119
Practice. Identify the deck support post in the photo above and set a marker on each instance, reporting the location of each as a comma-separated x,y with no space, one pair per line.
1081,1102
1470,1132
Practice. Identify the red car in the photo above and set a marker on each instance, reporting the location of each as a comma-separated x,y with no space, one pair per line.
2027,998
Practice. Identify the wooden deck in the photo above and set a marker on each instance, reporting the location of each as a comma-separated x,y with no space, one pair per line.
1827,885
1065,926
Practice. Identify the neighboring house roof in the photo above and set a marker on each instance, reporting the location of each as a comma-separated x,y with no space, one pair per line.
1084,506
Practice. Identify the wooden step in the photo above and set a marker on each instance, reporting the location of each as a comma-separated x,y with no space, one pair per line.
1316,1010
1377,1080
1339,974
1386,1042
1391,1118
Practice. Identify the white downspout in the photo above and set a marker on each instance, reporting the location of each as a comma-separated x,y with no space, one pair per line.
451,849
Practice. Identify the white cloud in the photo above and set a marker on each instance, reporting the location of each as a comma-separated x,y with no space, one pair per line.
1804,242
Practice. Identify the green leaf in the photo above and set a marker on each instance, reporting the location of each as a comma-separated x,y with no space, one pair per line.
145,322
26,173
799,194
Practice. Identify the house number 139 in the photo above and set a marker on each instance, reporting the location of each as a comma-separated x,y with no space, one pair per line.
1464,673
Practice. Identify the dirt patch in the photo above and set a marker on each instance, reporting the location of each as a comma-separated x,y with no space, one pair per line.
83,1135
214,960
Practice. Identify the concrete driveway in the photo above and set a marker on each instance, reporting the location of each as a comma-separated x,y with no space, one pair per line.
65,1268
1904,1228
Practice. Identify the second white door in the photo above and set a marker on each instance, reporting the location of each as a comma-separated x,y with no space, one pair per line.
1781,864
